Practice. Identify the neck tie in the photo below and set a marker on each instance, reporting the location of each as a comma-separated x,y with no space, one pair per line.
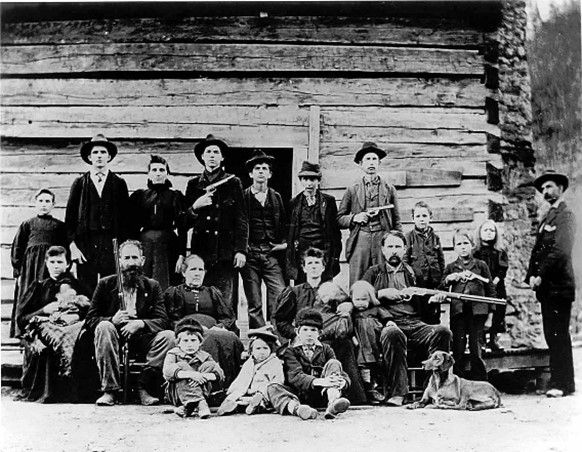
100,177
309,351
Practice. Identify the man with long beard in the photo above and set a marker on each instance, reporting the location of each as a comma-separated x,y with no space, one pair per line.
390,279
143,323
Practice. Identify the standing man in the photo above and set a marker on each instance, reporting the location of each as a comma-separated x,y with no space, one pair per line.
551,275
96,213
313,223
218,218
363,248
390,279
143,324
267,239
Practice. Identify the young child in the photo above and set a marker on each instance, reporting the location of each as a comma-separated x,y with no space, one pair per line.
468,318
190,371
488,249
31,242
336,310
312,372
425,255
72,307
261,369
369,319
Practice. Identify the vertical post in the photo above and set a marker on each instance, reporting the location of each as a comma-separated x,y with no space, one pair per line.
314,129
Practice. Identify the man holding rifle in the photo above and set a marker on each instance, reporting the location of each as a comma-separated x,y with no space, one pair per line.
134,314
217,215
391,279
369,209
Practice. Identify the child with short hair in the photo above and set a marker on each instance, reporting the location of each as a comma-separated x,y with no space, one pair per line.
468,318
261,369
312,372
488,249
425,255
31,242
369,319
190,371
72,307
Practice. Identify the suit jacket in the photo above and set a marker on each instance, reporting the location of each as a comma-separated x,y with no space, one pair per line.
551,257
354,202
149,304
471,287
115,199
331,232
221,229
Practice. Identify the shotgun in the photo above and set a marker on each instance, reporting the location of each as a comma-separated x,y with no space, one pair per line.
409,292
123,307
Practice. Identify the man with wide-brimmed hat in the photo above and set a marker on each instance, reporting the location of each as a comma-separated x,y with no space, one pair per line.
551,275
313,223
96,212
218,219
267,239
357,212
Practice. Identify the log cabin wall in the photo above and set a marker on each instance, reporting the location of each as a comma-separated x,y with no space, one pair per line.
317,79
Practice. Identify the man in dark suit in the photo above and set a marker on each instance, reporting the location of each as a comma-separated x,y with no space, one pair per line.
96,213
551,275
267,239
218,218
142,322
363,247
313,223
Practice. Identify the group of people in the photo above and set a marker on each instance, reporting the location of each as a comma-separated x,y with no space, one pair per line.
177,311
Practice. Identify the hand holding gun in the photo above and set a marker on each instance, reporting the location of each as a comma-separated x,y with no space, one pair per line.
206,199
440,296
364,217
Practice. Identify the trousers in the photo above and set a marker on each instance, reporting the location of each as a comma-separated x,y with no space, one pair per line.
468,325
367,252
107,342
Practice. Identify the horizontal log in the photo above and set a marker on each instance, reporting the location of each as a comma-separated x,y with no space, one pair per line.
91,58
239,126
304,29
409,118
236,91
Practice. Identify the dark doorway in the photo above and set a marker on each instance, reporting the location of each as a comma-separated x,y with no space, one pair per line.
282,179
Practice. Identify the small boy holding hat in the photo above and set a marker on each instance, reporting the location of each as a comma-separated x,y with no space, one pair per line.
363,247
189,371
96,213
312,372
313,223
267,239
218,218
260,370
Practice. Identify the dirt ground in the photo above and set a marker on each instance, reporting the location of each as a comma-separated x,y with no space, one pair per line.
525,423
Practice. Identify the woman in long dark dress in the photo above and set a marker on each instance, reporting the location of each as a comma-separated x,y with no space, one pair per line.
207,305
31,242
156,214
50,366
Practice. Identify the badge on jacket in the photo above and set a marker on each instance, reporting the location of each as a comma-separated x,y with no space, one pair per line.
550,228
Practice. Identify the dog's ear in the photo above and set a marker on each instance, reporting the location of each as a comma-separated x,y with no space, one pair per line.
448,361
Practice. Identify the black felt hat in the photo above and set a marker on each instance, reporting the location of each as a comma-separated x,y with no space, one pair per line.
258,157
98,140
189,324
558,178
265,333
366,149
210,140
309,169
309,317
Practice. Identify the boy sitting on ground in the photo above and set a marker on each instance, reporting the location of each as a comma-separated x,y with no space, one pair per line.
190,371
261,369
312,372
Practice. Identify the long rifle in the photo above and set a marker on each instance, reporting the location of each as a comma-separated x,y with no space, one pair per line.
123,307
409,292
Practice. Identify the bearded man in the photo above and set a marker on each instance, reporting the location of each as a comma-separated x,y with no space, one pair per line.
391,279
143,324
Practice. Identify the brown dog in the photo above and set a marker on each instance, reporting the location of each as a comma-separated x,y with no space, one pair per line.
449,392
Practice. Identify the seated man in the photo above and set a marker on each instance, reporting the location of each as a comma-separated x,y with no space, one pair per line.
311,370
142,323
390,279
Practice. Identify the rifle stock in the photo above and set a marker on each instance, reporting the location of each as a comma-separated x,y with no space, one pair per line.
122,306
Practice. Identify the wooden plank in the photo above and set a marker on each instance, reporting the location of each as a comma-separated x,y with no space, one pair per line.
442,215
314,130
90,58
239,126
433,178
323,91
371,30
410,118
